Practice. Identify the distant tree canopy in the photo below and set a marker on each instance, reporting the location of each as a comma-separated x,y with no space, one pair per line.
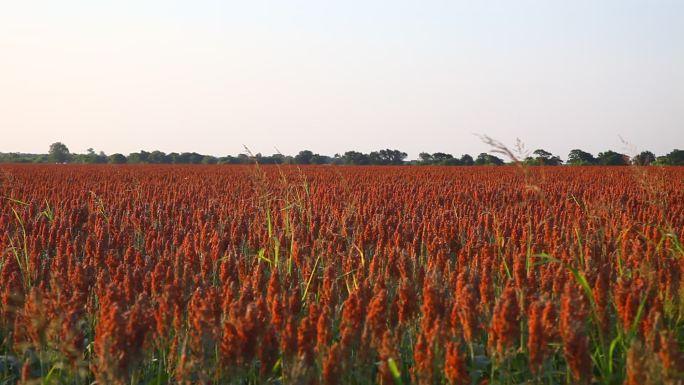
675,158
90,157
444,159
543,158
488,159
59,153
579,157
387,156
117,159
644,158
355,157
612,158
308,157
304,157
467,160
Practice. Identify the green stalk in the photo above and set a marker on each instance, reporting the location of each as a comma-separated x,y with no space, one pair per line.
308,283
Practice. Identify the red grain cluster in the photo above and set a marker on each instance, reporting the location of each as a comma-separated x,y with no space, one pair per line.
331,274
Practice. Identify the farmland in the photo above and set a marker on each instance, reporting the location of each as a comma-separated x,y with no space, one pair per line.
341,275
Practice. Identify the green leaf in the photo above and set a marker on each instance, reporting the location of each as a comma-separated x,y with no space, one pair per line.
262,257
637,319
611,351
396,373
308,283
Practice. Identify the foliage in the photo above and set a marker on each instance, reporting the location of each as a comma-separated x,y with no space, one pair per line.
674,158
58,153
117,159
612,158
644,158
444,159
488,159
544,158
579,157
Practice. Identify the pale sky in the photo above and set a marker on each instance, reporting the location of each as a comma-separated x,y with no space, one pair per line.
332,76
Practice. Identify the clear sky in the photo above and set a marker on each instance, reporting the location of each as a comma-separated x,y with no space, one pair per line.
331,76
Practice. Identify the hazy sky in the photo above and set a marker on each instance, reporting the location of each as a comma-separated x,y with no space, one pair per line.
330,76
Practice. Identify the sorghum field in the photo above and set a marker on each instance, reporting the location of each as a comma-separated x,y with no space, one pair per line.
341,275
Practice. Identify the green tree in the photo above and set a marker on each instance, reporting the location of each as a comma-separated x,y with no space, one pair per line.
644,158
425,158
58,153
90,157
395,157
117,159
675,158
467,160
304,157
579,157
320,159
488,159
355,157
139,157
158,157
386,157
279,159
208,159
227,160
375,158
544,157
443,158
187,158
195,158
612,158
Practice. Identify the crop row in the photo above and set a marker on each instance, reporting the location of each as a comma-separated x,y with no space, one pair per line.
341,275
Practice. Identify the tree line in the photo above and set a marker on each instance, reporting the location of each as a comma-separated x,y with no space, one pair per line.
59,153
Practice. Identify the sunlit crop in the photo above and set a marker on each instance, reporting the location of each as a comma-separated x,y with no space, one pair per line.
341,275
